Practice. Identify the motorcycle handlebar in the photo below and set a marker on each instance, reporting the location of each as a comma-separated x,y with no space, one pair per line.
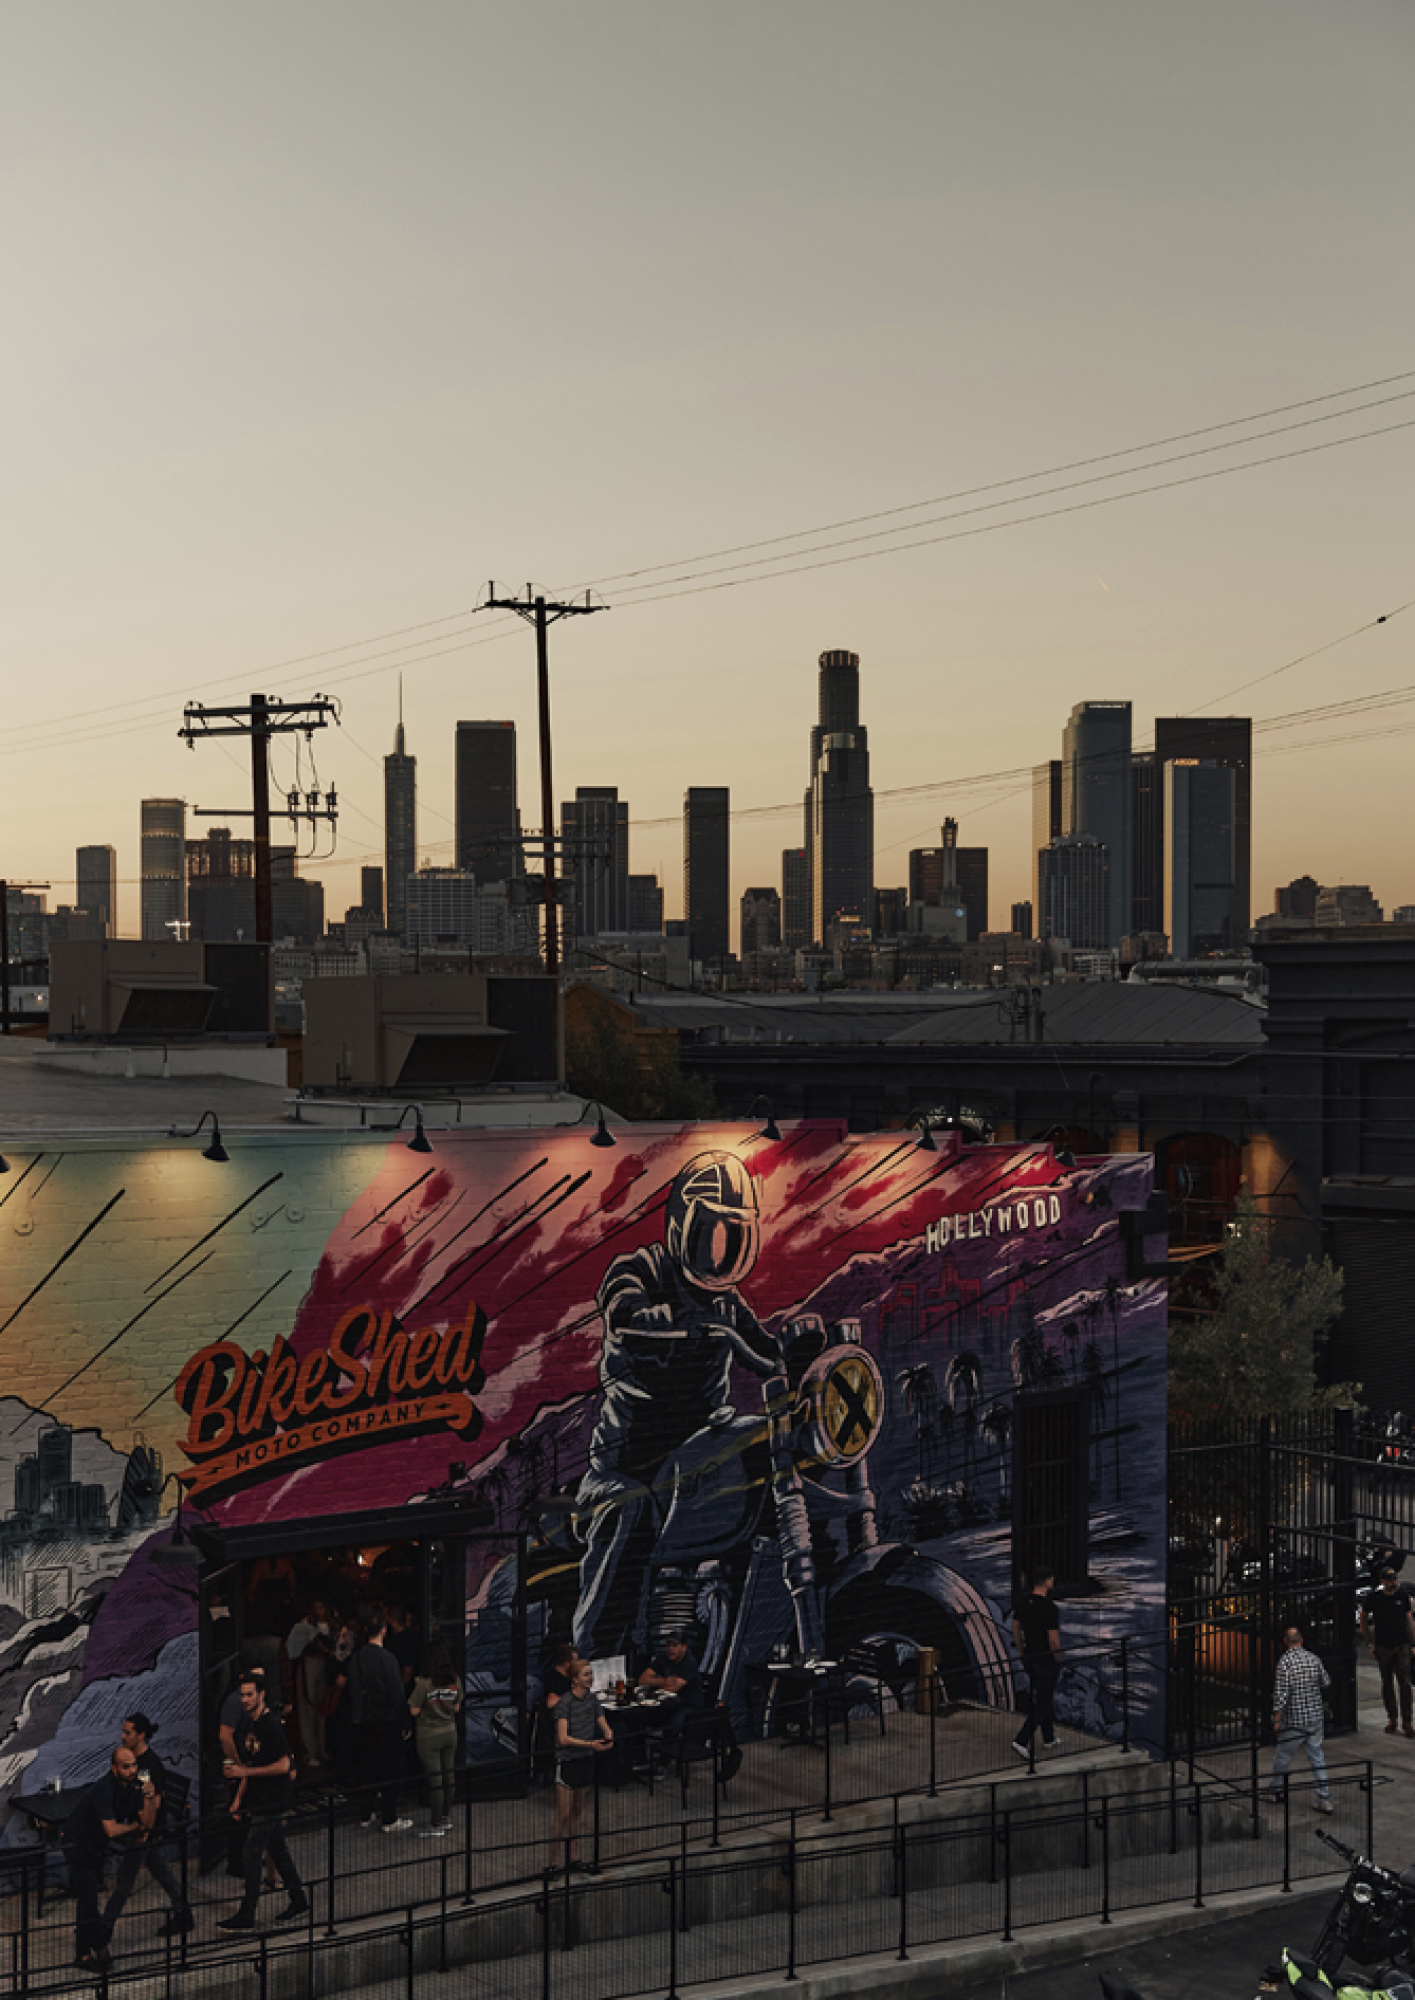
1348,1854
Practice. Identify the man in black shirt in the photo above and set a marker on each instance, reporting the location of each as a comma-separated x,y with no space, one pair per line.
1036,1633
1388,1628
262,1776
676,1672
379,1707
115,1809
152,1780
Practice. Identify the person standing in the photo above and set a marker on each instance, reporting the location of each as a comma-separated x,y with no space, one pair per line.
308,1649
262,1775
379,1712
581,1731
152,1781
1036,1633
1298,1717
435,1702
1388,1628
115,1809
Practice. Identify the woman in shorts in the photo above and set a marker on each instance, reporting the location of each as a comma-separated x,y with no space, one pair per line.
581,1733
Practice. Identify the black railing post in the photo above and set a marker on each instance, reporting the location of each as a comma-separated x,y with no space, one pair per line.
1007,1878
717,1721
934,1690
809,1700
1286,1837
791,1899
411,1941
548,1877
683,1870
1085,1819
1173,1808
329,1926
992,1835
1125,1693
901,1844
594,1841
1105,1860
23,1967
1198,1847
672,1930
263,1968
1370,1786
183,1874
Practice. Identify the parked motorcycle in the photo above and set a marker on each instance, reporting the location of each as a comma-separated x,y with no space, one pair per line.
766,1544
1373,1917
1303,1977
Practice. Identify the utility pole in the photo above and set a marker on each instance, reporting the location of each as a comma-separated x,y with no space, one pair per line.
5,888
260,720
542,612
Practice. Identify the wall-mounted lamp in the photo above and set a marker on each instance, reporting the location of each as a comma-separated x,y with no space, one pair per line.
601,1135
181,1552
215,1151
926,1135
4,1164
1065,1157
419,1143
771,1130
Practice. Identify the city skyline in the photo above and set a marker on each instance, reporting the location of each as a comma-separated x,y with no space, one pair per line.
266,457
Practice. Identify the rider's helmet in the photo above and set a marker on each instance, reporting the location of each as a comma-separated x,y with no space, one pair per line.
713,1229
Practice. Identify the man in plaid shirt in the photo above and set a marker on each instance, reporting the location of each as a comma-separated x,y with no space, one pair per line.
1298,1716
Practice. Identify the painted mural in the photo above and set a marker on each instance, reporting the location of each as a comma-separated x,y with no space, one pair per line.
767,1389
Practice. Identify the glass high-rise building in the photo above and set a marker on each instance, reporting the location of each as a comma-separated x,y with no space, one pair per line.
795,896
1147,842
1076,878
487,820
840,803
163,866
371,891
96,888
706,870
400,829
645,904
1046,817
1226,740
597,822
1199,817
1096,799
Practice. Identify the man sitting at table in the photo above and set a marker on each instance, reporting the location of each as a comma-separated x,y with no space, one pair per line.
674,1671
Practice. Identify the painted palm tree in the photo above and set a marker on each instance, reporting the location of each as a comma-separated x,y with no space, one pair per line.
1114,1298
1028,1352
943,1431
1093,1375
1071,1336
963,1384
920,1393
997,1428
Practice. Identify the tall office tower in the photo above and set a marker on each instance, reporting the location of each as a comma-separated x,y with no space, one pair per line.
1298,899
371,892
1022,920
96,888
645,904
761,920
841,807
1225,740
949,873
706,870
487,819
795,897
163,866
1147,847
891,912
598,860
221,887
1095,798
1199,885
1046,817
1076,900
400,828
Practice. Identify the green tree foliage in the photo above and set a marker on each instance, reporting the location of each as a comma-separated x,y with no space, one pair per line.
639,1076
1254,1351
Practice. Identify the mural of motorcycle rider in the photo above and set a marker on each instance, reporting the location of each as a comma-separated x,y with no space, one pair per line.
674,1323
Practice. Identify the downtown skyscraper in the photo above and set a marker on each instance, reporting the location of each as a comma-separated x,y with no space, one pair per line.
400,827
488,823
707,870
1096,799
839,805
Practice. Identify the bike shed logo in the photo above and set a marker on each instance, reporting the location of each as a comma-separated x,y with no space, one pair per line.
249,1415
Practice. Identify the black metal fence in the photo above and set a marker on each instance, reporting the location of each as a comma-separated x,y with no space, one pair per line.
1274,1521
774,1906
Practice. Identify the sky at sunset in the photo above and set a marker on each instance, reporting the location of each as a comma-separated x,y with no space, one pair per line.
320,315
